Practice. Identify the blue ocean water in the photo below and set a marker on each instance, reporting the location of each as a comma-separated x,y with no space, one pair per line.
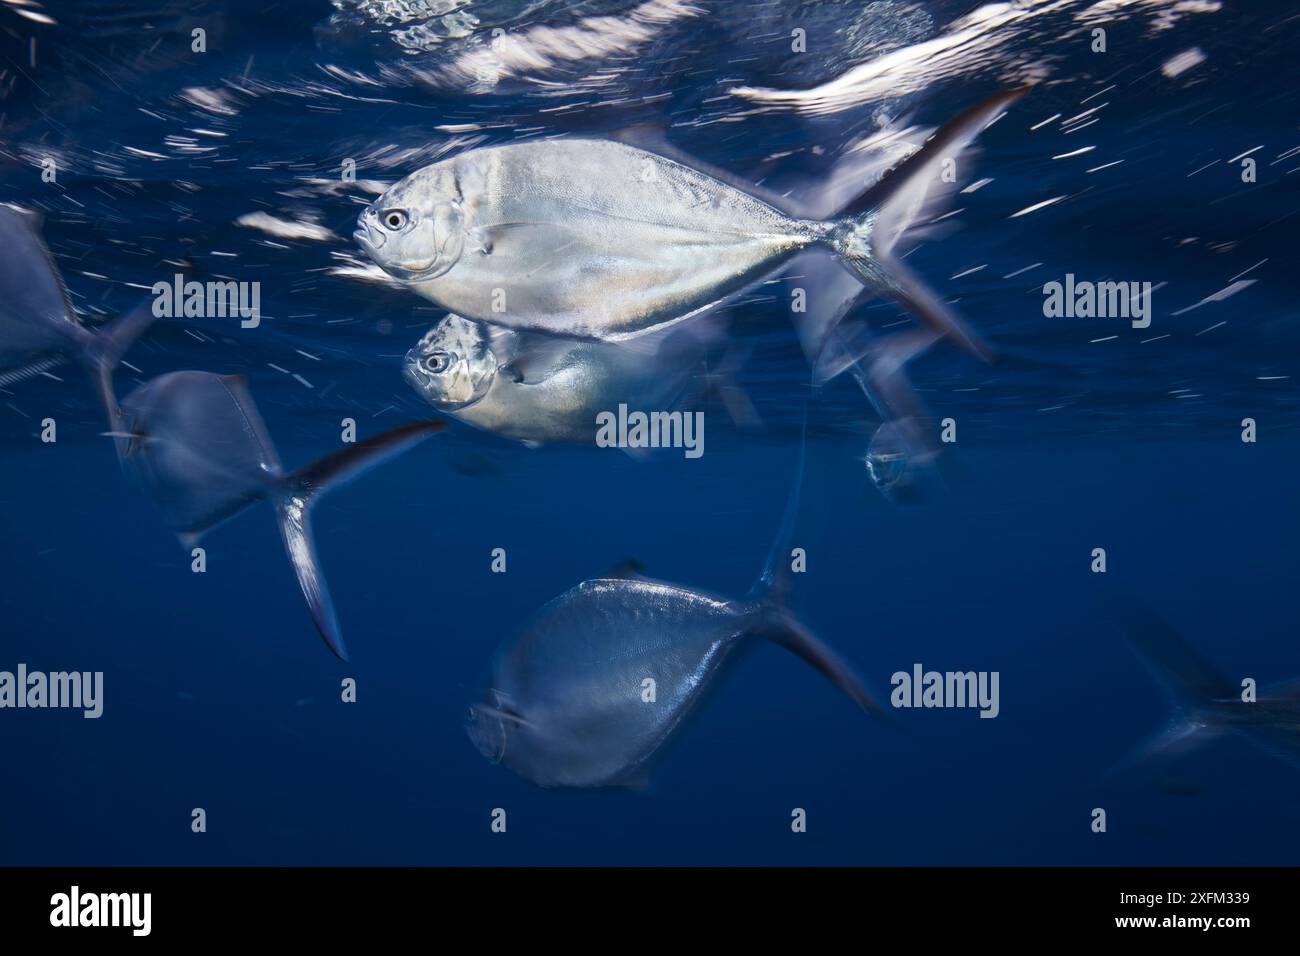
1085,433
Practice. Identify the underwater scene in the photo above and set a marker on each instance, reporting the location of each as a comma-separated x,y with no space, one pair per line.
649,432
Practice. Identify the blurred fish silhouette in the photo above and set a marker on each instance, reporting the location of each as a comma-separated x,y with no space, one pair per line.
1207,704
903,451
570,703
540,389
39,329
194,441
903,454
196,444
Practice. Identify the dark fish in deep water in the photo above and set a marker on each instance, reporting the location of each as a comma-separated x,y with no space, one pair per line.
38,326
602,240
196,444
604,675
1208,704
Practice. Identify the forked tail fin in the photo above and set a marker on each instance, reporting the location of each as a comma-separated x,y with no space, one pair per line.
870,227
1192,683
33,296
300,491
783,629
102,351
1190,680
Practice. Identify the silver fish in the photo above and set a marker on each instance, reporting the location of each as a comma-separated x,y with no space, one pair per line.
39,329
570,705
539,388
601,240
197,446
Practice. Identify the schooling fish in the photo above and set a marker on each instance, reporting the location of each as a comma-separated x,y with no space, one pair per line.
196,444
602,240
1207,703
604,675
38,326
539,388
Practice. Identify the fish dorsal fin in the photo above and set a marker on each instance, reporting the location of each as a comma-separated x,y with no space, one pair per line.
240,393
30,272
629,569
774,581
653,139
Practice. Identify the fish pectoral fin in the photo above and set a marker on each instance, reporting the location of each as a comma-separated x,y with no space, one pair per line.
537,361
478,240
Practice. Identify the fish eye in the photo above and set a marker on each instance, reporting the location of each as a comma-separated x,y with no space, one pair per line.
437,362
395,219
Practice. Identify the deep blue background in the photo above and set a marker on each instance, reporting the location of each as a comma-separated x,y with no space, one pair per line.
220,695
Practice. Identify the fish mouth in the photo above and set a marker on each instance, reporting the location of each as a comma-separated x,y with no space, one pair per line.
410,275
364,237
